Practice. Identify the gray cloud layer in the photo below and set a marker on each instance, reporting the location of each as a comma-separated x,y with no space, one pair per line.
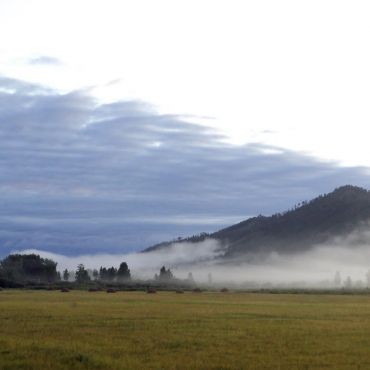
81,177
45,60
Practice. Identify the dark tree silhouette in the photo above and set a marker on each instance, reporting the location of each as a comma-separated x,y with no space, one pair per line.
107,274
112,273
103,273
66,275
165,275
22,267
123,272
82,276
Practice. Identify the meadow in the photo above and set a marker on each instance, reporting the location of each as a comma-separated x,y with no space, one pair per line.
135,330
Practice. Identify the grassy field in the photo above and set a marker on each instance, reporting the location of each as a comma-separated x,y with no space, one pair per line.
135,330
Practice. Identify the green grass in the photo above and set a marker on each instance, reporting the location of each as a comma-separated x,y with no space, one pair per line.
135,330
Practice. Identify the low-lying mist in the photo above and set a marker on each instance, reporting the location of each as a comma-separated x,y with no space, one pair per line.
314,268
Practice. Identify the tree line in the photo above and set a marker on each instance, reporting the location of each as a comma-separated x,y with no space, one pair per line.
110,274
23,268
32,267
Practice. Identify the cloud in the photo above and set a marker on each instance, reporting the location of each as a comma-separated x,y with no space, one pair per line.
10,86
79,177
45,60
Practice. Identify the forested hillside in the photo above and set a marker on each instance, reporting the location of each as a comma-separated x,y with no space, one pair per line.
305,225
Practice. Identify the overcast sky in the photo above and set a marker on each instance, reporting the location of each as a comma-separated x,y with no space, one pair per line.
126,123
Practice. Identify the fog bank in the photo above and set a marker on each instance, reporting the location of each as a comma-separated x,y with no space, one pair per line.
313,268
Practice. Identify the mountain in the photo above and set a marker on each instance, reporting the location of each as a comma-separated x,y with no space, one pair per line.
336,214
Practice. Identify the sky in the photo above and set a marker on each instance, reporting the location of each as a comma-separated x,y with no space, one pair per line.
126,123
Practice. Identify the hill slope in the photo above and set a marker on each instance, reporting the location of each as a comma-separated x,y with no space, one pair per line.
323,218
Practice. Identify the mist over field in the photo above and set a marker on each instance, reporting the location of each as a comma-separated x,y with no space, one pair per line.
206,163
316,267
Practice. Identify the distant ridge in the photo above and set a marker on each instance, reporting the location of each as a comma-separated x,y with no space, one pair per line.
309,223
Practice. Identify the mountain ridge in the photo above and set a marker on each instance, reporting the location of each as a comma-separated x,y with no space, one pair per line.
308,224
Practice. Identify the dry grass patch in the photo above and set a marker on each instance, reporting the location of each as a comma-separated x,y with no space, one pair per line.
80,330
